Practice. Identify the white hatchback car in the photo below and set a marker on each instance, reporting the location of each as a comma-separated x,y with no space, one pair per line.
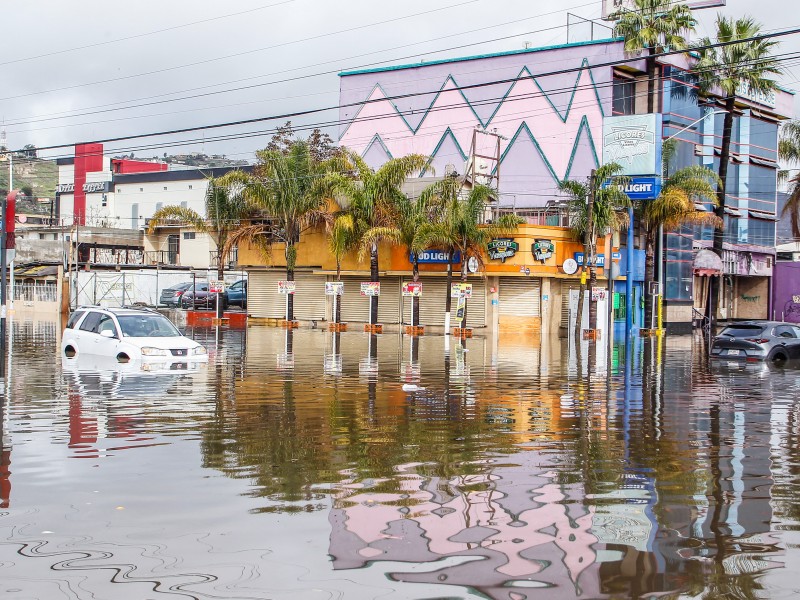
128,334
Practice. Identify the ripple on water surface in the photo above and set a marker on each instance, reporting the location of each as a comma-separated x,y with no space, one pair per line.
299,464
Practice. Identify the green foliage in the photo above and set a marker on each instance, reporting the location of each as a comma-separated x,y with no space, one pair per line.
456,219
609,205
654,24
789,150
747,63
287,190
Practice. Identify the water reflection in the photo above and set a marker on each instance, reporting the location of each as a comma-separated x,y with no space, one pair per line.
507,467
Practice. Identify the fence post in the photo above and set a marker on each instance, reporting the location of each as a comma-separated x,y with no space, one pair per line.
123,289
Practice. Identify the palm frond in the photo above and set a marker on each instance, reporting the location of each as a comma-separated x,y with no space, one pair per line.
177,215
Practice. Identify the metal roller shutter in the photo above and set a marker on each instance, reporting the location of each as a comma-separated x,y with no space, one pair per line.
355,307
520,297
263,299
432,303
309,297
566,286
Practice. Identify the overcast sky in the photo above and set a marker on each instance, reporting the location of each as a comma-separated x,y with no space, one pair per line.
69,74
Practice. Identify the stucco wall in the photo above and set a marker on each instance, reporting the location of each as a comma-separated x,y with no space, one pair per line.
551,125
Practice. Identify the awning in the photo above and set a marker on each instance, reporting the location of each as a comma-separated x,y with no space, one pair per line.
758,214
707,263
763,162
734,212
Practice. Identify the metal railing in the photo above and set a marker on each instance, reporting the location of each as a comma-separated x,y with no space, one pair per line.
550,216
161,257
36,292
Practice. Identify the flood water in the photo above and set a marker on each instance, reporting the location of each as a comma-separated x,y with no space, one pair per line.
301,466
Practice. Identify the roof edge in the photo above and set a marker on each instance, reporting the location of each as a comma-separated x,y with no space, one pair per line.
478,57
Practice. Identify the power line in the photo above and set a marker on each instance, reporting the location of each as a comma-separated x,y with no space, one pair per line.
146,34
227,137
64,114
239,54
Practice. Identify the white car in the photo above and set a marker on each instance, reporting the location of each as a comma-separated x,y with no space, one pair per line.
128,334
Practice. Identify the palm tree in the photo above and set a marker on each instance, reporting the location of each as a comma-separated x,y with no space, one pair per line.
674,207
288,189
342,239
596,207
372,198
742,62
789,150
653,26
225,207
458,226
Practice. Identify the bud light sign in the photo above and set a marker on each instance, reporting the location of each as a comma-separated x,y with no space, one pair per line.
433,257
641,188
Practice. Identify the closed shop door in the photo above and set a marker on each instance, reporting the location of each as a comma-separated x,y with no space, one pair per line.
263,299
309,297
355,307
566,286
520,297
432,303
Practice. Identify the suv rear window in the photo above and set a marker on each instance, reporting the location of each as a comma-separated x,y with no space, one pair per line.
74,318
742,331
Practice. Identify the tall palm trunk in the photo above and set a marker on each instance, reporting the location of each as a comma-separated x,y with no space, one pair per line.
464,280
414,300
651,79
649,275
337,313
374,276
219,305
719,233
448,301
289,277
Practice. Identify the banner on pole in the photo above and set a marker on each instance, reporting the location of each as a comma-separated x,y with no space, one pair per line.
412,289
461,290
370,288
334,288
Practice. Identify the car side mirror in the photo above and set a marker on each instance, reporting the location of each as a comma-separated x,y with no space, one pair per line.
107,333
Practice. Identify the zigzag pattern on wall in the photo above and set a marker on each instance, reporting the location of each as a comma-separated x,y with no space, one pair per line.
526,111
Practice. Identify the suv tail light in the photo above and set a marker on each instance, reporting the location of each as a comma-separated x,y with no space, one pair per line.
757,340
179,293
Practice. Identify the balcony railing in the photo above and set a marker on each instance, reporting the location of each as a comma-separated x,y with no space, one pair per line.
551,216
161,257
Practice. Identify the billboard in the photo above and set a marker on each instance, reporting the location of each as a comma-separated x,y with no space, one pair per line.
612,6
633,141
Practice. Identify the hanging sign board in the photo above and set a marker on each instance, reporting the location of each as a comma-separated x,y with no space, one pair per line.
634,142
412,289
334,288
598,293
216,287
502,248
286,287
542,249
370,288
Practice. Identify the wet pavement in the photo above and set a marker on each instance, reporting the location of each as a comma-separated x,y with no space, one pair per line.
303,465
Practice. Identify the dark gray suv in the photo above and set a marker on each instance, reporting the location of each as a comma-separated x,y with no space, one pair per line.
773,341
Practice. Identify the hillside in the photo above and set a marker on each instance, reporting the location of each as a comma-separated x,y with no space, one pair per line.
40,175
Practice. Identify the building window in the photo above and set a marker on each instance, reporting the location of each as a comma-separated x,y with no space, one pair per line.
165,188
624,98
141,189
190,186
189,235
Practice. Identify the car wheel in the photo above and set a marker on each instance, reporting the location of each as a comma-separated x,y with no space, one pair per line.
778,358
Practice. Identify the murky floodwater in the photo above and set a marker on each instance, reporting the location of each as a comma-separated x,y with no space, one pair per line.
306,467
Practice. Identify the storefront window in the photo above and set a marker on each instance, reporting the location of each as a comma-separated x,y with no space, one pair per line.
624,99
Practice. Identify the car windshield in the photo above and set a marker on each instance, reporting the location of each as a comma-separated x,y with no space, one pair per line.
147,326
742,331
